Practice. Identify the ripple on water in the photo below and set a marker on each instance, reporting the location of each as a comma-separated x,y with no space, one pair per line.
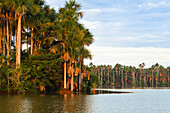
147,101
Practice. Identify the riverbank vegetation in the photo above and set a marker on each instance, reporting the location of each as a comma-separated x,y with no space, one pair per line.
121,76
41,49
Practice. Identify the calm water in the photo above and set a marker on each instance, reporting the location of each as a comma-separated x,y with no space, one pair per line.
142,101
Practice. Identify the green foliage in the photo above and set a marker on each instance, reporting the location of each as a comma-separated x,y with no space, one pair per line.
86,85
46,70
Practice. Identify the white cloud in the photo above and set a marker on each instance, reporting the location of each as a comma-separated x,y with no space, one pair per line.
166,33
92,11
104,10
91,24
152,5
129,56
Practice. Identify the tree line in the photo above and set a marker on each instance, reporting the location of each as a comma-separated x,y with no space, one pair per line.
121,76
55,46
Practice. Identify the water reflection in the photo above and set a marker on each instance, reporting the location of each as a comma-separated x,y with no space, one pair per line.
149,101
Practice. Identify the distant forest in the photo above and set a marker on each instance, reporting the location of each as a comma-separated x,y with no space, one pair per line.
121,76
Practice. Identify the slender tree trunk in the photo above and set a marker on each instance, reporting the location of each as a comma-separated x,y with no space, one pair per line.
80,77
152,79
168,78
157,78
101,78
7,33
27,41
133,81
1,39
72,81
4,42
140,80
113,80
10,40
108,77
16,37
32,29
144,79
122,81
126,80
18,60
65,77
8,83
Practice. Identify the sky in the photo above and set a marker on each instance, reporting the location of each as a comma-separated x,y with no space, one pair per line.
127,32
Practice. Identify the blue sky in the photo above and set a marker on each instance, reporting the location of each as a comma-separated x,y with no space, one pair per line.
127,31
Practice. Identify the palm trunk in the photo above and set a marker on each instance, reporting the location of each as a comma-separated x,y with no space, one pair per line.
4,42
16,37
157,78
101,78
152,79
18,52
80,77
72,81
0,40
7,33
18,61
10,40
65,77
133,80
168,78
32,29
122,81
27,41
126,80
140,80
113,79
108,77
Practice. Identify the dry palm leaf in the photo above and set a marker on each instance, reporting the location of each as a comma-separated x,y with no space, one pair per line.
70,71
66,56
77,71
52,51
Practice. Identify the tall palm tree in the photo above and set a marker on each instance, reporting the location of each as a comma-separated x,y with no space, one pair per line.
21,8
168,68
133,78
141,66
157,75
68,17
108,72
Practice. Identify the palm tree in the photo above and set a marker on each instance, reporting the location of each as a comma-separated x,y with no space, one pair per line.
22,7
168,68
113,78
108,68
141,66
157,75
69,14
133,78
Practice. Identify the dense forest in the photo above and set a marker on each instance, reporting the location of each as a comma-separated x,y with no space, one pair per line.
121,76
55,47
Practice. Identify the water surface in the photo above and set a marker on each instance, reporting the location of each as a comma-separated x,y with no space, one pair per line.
142,101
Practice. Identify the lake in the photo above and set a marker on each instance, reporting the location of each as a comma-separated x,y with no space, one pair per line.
141,101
